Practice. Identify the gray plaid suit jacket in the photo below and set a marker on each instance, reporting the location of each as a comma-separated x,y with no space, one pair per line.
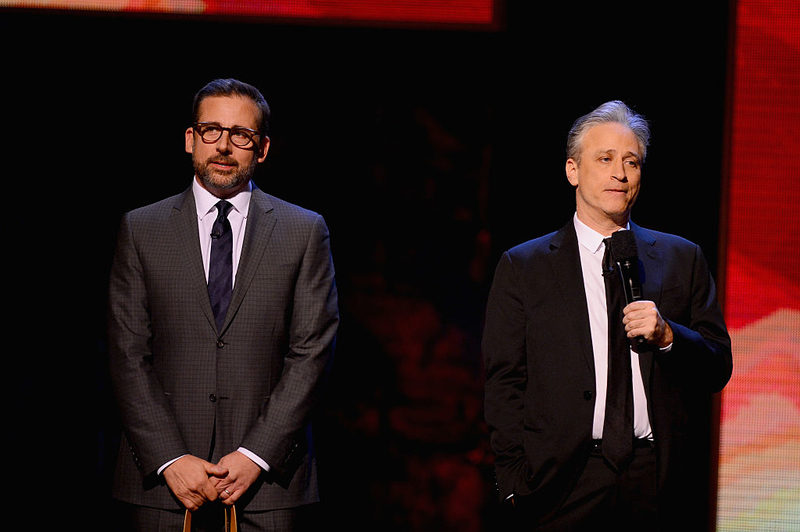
185,387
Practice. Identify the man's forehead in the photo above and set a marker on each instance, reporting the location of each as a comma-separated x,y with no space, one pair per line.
608,137
214,108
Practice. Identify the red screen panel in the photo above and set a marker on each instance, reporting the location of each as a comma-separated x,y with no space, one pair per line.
759,468
476,13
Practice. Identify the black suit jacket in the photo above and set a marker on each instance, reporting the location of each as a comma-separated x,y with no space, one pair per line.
540,383
185,387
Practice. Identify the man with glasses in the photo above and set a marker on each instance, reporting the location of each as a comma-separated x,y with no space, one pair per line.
222,320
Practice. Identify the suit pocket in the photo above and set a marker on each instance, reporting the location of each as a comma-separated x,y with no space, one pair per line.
532,421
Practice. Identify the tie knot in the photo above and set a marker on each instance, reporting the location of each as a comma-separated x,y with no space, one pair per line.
223,207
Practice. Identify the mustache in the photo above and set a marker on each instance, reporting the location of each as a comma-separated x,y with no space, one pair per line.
222,160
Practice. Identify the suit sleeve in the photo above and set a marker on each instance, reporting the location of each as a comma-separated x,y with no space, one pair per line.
701,351
280,429
504,351
147,417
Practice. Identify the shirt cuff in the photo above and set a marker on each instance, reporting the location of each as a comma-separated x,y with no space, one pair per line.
255,458
163,467
252,456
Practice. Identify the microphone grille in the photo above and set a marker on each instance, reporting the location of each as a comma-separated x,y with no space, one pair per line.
623,246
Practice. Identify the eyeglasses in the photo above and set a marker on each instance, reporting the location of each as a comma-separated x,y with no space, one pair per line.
241,137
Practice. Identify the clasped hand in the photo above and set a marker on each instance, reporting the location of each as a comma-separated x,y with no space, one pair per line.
195,481
642,318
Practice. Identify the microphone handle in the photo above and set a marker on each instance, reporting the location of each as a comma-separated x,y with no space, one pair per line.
633,292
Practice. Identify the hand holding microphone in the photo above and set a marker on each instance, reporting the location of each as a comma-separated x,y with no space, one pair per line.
643,322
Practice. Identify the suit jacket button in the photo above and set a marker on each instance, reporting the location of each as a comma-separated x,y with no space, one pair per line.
220,344
587,395
213,398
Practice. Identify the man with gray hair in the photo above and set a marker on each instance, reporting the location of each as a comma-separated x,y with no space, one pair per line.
599,340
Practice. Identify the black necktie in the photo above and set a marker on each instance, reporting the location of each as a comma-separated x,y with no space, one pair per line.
618,426
220,270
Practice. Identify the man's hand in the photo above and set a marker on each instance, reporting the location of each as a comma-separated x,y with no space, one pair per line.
190,479
242,473
643,319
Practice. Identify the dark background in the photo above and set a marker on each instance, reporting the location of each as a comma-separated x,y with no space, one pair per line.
428,151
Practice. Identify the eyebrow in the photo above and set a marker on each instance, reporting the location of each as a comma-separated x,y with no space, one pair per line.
215,123
612,151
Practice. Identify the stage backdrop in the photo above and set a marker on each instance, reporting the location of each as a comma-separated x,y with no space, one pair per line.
759,461
759,481
477,13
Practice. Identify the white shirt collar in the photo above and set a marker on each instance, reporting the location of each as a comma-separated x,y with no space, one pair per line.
205,201
588,237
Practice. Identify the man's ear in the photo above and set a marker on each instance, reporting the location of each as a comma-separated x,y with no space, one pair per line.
190,140
571,169
263,148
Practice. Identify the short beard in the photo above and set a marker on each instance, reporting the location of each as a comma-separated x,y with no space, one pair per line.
214,180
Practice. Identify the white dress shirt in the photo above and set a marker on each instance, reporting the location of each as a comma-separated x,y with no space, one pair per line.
237,216
207,214
592,248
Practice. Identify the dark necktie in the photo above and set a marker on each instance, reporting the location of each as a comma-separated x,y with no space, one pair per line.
220,270
618,427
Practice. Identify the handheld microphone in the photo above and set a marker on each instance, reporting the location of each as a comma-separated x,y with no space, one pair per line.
623,248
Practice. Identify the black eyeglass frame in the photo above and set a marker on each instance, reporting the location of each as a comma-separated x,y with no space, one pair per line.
249,133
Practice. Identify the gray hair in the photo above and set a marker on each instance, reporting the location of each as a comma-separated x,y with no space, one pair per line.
613,111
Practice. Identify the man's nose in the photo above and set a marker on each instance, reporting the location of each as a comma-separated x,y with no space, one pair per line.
618,172
224,143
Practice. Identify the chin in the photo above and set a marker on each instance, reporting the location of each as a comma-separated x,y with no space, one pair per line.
225,184
214,183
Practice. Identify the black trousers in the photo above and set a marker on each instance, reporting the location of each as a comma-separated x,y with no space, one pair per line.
601,499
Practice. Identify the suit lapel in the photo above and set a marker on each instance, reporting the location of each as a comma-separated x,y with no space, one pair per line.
565,262
651,272
184,220
261,221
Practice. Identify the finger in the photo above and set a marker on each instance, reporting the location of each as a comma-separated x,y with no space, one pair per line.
228,496
192,501
210,492
215,470
633,324
637,305
204,492
189,504
639,328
